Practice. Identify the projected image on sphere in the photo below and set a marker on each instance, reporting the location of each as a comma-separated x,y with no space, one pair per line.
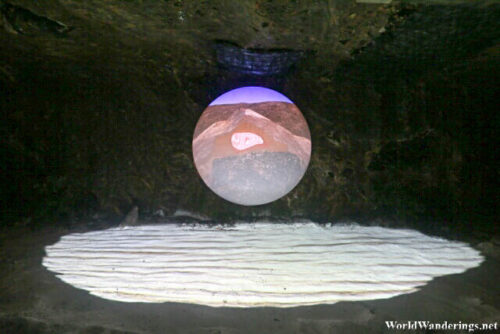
251,145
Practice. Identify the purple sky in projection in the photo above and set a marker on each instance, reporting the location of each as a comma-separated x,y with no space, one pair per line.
251,94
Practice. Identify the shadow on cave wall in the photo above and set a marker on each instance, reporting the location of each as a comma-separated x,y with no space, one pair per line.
406,128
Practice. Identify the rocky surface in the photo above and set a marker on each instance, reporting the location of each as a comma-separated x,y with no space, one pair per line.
100,99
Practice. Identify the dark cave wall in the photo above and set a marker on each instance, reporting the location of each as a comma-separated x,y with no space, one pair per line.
106,135
443,166
400,129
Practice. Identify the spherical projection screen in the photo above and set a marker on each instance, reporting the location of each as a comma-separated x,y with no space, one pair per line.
251,145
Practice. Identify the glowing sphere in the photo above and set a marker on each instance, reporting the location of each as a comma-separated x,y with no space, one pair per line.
251,145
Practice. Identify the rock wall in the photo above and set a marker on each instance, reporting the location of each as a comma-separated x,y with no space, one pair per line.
99,103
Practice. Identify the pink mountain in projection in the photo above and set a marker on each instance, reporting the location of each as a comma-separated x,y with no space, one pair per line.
239,129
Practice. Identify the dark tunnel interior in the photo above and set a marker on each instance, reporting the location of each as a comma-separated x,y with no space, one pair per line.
99,101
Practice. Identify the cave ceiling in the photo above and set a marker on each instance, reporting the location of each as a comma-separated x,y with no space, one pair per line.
180,35
75,28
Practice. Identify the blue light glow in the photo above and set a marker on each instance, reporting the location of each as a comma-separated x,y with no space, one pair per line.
251,94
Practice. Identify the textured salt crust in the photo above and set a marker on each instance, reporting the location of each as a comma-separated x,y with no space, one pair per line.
248,265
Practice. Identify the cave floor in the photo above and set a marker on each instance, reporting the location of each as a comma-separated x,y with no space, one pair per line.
33,300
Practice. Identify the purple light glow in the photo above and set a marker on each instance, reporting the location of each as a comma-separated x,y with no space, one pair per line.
251,94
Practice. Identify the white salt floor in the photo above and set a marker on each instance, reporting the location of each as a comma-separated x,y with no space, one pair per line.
254,264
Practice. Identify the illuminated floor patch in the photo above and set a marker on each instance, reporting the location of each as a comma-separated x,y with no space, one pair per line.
250,265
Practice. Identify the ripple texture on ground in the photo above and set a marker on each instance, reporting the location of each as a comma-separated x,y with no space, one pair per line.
257,264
